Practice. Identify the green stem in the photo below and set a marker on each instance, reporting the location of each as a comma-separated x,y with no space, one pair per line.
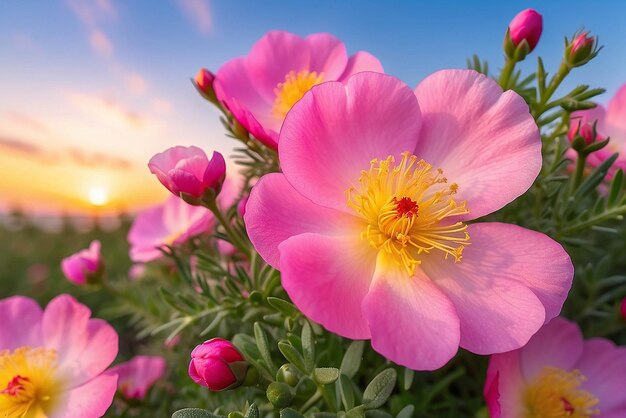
580,171
505,76
230,232
316,396
560,75
613,213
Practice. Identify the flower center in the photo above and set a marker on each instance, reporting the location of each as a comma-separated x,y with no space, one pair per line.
557,394
27,382
292,90
405,206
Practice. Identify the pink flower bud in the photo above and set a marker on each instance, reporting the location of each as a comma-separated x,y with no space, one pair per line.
137,376
204,81
584,130
623,309
187,172
85,266
581,49
217,365
204,84
526,25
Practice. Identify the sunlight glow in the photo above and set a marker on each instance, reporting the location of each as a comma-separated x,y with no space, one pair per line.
98,196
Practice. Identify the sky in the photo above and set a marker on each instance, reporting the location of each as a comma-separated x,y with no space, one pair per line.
91,89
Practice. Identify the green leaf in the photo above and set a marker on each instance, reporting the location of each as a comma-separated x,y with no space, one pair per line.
356,412
290,413
406,412
616,188
377,413
352,359
253,411
407,380
379,389
344,385
292,355
193,413
308,347
326,375
263,345
283,306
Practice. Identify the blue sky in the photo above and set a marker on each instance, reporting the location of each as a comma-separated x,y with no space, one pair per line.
104,84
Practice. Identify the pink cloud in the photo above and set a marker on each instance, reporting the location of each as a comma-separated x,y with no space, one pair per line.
101,43
135,83
199,13
91,12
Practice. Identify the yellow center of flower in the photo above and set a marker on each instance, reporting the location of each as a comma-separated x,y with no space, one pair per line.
292,90
405,206
557,394
27,382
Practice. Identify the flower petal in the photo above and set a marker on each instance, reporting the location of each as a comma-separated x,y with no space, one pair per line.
90,400
21,323
509,282
276,211
335,130
234,87
485,140
504,385
328,55
412,322
604,366
84,346
616,114
359,62
558,344
327,279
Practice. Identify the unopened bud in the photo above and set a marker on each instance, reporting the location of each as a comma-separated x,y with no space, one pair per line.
204,84
217,365
279,394
523,34
581,49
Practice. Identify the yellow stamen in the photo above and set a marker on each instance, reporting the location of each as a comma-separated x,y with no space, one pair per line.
557,394
292,90
27,382
405,206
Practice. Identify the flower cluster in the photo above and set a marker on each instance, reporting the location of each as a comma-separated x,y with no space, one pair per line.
373,231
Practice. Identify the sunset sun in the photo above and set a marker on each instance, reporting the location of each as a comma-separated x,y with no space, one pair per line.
98,196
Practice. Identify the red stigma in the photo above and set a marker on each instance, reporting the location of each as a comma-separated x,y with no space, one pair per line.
14,386
406,207
567,406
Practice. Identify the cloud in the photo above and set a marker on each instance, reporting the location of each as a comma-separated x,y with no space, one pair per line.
80,157
26,121
107,110
199,13
135,83
91,12
161,106
101,43
98,160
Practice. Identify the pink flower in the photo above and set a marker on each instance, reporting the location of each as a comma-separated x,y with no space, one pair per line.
526,26
84,266
558,374
367,222
214,364
52,361
170,223
187,171
241,206
610,122
138,375
261,88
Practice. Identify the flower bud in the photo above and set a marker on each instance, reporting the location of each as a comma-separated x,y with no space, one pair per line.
279,394
137,376
586,131
204,84
188,173
217,365
86,266
523,34
288,374
623,309
581,49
